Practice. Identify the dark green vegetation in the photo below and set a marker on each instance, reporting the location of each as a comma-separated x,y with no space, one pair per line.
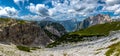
113,49
23,48
52,36
86,34
27,49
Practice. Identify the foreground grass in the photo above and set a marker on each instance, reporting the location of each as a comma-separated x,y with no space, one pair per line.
85,34
114,50
27,49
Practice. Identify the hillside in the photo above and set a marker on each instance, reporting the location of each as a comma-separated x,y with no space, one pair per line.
21,32
99,29
53,29
88,33
28,33
106,46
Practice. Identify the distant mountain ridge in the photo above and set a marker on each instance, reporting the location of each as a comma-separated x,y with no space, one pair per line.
74,25
93,20
70,25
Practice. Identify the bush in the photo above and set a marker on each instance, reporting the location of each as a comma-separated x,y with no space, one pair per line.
23,48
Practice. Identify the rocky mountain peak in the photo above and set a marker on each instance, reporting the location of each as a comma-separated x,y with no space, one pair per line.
99,19
93,20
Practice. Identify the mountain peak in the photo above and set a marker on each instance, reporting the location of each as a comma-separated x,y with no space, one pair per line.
93,20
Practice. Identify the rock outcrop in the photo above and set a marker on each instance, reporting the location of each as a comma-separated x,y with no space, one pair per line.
53,29
29,33
23,33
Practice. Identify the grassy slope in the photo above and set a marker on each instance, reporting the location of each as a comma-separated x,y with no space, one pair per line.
113,49
100,29
96,30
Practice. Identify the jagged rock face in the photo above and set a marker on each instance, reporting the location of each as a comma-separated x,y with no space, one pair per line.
93,20
34,34
28,34
24,34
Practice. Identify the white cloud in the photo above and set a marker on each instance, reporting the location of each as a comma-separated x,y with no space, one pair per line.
117,11
112,2
111,8
72,7
32,17
18,2
8,11
112,5
39,9
116,17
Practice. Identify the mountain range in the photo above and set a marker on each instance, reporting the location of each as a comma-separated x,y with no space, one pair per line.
72,25
41,33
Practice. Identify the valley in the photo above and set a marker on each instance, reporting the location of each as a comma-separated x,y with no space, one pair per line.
59,27
48,38
92,48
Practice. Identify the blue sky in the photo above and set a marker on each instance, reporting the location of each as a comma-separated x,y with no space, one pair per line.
58,9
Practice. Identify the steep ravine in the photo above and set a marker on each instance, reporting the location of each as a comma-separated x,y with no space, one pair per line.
91,48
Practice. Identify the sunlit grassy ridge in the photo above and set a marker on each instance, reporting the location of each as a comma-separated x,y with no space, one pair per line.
100,29
9,20
96,30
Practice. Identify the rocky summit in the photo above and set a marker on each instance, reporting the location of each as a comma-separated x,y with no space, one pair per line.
93,20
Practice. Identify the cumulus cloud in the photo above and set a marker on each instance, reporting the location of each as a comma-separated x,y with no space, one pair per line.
117,11
112,6
69,9
72,7
8,11
112,2
39,9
